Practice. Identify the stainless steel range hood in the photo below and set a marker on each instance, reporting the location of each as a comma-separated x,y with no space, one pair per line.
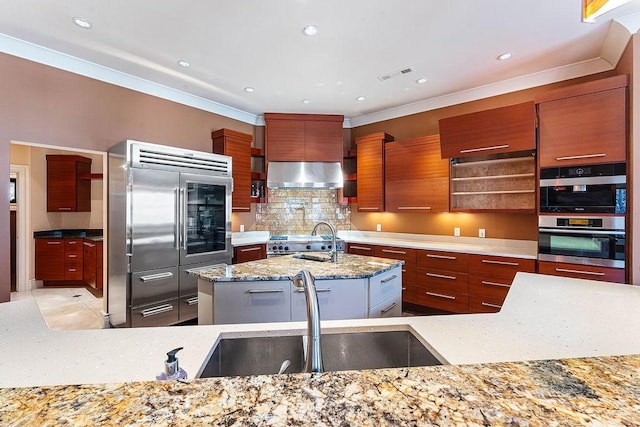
304,175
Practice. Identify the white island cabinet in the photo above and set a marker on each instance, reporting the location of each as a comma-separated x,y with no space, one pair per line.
338,299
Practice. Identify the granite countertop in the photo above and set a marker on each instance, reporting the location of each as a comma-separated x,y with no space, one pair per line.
287,266
592,391
93,234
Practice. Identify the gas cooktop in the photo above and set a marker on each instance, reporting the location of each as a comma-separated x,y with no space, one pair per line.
283,244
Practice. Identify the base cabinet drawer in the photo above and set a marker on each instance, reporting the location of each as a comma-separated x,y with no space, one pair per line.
385,285
578,271
444,290
497,266
188,308
338,299
489,288
391,307
158,314
481,304
249,253
361,249
252,302
439,260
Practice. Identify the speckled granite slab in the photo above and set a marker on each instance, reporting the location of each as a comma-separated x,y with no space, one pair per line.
285,267
569,392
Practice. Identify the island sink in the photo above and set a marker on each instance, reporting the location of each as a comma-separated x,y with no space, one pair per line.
340,351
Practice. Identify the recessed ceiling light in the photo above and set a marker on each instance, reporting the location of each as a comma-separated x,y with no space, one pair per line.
421,81
81,22
306,101
184,64
310,30
360,98
504,56
249,89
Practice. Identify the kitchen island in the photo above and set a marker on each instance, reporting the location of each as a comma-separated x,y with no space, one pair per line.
560,352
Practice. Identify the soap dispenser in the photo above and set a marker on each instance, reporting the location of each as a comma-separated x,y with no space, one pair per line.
171,369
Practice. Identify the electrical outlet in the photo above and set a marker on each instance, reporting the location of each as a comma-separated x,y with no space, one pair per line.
456,231
481,232
378,227
242,228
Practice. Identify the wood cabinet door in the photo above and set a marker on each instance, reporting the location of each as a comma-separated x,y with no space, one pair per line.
500,130
90,262
586,129
50,262
370,172
416,177
67,191
323,141
73,259
444,290
238,146
284,140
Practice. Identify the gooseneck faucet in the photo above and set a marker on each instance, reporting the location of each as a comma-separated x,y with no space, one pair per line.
313,361
334,248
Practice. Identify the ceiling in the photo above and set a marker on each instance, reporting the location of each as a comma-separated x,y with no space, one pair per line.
232,45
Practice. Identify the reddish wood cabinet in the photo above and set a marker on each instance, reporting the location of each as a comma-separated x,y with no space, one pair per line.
237,145
500,130
68,183
443,280
249,253
370,171
584,124
76,260
49,259
578,271
416,177
92,263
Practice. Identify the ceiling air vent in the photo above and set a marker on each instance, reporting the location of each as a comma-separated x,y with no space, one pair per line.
395,74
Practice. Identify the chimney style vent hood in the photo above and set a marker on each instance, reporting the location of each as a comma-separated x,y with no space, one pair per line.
304,175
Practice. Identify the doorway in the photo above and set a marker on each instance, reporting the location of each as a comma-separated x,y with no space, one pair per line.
19,211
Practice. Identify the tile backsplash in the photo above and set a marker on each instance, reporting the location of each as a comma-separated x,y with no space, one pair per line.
296,211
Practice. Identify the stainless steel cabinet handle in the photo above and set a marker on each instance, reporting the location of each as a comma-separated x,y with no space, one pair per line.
493,147
592,273
362,248
183,215
384,310
433,294
503,285
404,289
192,301
581,156
240,208
440,256
300,290
72,256
156,310
251,249
64,209
486,304
72,270
441,276
391,251
265,291
158,276
587,232
71,242
176,236
488,261
53,243
388,279
414,208
88,244
368,209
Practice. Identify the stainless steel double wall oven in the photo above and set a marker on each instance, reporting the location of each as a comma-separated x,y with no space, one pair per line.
169,212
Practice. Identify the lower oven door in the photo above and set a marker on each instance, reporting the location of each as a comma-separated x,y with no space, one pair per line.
592,247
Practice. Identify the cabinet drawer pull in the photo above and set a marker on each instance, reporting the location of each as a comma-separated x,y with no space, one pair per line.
441,276
502,285
53,243
64,209
368,209
493,147
157,310
71,242
362,248
388,279
582,156
592,273
513,264
433,294
89,244
240,208
404,289
251,249
486,304
192,301
72,270
300,290
265,291
414,208
391,251
159,276
72,256
440,256
391,307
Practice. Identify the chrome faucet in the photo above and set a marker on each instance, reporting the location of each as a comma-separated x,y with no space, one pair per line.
313,361
334,248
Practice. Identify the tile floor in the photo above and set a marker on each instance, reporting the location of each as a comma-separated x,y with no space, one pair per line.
66,308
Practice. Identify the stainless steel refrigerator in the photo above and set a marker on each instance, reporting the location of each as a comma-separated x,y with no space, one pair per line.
169,212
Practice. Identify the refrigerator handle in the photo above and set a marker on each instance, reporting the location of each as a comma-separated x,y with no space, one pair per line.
176,236
183,219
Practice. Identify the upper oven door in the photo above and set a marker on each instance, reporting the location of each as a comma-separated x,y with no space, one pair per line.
584,195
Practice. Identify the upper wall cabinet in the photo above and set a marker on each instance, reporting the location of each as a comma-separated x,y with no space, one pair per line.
584,124
500,130
237,145
68,183
416,177
303,137
370,171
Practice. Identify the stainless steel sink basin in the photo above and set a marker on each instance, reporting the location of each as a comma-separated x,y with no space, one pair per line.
340,352
313,257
